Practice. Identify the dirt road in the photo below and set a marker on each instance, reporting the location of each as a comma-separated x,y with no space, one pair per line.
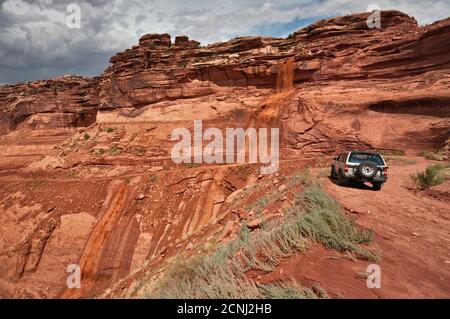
412,232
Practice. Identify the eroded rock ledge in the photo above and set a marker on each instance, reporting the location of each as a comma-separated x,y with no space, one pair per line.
157,69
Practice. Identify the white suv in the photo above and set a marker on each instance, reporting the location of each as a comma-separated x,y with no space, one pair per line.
360,166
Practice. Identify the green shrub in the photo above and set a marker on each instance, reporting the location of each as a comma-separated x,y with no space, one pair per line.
221,273
109,130
86,136
326,224
71,174
394,152
260,204
323,173
396,160
114,150
287,290
433,175
202,277
301,178
434,156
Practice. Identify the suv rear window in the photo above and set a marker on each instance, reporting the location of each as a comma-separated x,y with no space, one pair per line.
365,157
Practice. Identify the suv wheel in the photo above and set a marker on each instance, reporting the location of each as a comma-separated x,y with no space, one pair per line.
342,181
333,173
376,185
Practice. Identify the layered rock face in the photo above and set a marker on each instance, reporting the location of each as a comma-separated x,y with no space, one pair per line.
69,101
335,49
398,69
101,189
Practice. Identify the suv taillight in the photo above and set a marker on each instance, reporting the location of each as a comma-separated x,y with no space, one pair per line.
346,168
385,171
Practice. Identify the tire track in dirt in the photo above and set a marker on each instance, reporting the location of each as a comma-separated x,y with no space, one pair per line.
91,257
411,231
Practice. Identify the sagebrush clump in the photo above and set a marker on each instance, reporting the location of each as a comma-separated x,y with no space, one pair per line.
433,175
315,216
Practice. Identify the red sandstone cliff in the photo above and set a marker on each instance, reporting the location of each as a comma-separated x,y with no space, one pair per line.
85,170
411,63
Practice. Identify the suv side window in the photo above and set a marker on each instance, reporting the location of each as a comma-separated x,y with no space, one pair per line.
343,157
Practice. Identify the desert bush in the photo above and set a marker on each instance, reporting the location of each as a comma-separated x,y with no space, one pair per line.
114,150
221,273
202,277
287,290
264,250
304,178
397,160
433,175
326,224
259,204
394,152
86,136
435,156
323,173
300,178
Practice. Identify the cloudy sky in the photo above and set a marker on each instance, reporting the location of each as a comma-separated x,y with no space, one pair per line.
36,42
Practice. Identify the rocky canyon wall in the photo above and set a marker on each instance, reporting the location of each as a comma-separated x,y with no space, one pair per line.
340,67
